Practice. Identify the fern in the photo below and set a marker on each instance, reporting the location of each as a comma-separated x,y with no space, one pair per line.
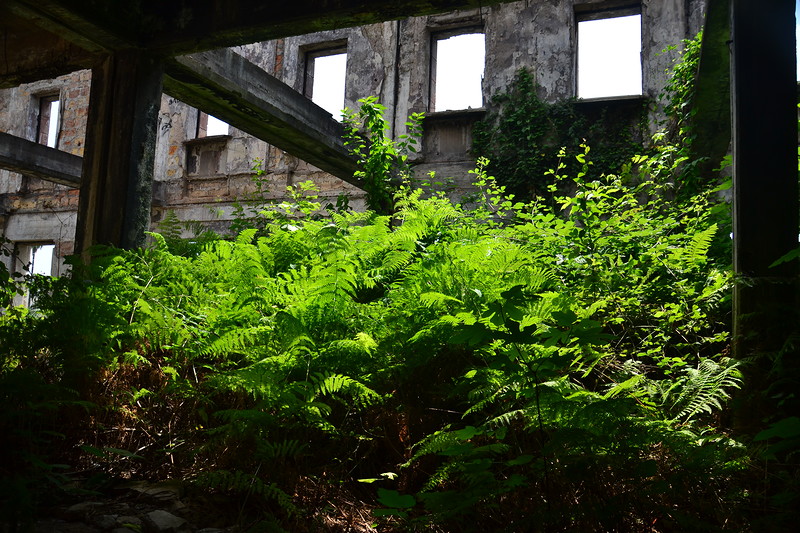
281,450
328,384
702,389
244,484
434,443
694,253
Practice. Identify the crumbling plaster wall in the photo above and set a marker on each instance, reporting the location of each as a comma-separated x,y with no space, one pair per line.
34,210
391,60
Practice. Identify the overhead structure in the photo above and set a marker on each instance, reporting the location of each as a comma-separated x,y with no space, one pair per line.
131,45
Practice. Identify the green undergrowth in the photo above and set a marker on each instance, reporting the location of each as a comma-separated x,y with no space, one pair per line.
559,364
510,366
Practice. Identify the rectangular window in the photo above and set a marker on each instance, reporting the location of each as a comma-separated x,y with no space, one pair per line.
609,53
797,36
49,120
211,126
457,65
33,258
42,259
325,79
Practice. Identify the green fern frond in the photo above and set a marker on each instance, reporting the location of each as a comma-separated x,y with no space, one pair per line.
259,380
507,418
703,389
281,450
437,299
241,483
329,384
434,443
696,250
237,341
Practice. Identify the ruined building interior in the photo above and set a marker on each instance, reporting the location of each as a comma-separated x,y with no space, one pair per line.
106,108
202,165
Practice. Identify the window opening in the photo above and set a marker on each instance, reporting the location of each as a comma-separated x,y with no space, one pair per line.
49,119
210,126
33,259
42,259
326,75
457,71
797,34
609,55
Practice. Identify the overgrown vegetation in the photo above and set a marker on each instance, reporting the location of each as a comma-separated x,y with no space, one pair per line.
560,364
523,134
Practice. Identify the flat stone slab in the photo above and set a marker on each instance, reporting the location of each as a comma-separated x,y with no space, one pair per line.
160,521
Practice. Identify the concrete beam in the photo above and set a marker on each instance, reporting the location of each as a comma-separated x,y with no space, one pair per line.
47,38
711,123
39,161
765,188
95,25
116,186
766,210
174,27
196,26
226,85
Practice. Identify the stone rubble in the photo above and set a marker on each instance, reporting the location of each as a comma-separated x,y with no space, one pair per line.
136,507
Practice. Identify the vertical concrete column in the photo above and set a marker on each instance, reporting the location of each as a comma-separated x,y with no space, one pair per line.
764,105
116,187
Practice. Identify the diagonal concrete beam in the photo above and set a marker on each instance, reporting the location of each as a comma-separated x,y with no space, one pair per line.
226,85
241,94
40,161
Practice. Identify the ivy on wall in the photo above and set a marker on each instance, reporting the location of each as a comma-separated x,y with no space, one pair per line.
523,134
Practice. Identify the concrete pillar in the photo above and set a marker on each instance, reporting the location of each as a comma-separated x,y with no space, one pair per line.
764,105
116,185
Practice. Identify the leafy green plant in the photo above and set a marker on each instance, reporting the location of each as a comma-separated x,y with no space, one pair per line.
383,163
549,364
522,134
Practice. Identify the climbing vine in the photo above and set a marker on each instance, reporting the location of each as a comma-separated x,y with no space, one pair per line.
523,135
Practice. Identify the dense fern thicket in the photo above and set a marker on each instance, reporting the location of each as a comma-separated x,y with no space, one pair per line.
556,365
517,367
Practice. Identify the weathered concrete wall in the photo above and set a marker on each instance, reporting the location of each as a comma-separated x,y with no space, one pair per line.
34,210
200,179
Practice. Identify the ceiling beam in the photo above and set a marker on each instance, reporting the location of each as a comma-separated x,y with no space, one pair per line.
207,24
174,27
228,86
40,161
94,25
28,53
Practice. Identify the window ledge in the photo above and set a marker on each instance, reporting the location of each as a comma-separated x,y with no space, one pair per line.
472,112
622,98
207,139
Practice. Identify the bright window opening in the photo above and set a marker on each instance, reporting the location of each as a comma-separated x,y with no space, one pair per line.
33,259
49,120
458,64
609,57
209,126
326,74
797,34
42,259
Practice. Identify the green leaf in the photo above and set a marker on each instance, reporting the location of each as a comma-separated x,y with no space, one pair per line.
467,432
395,500
786,428
521,460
